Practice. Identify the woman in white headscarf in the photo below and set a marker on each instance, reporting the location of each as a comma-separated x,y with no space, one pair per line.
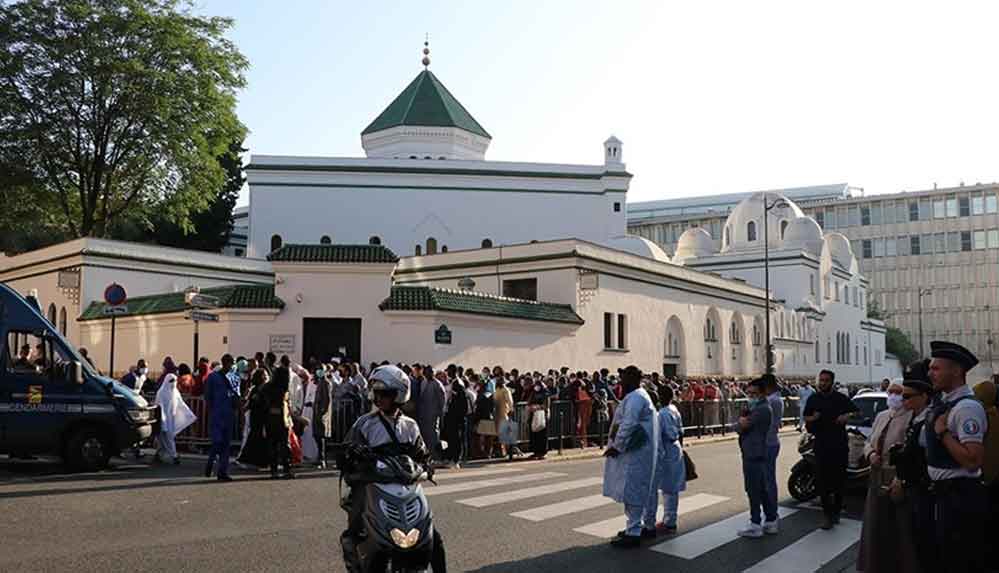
175,416
886,542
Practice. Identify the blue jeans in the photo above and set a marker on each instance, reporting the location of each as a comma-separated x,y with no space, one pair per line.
770,501
754,475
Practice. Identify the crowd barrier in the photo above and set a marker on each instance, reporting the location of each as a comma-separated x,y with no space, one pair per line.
568,424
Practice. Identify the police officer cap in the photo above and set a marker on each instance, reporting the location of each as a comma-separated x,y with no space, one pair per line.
917,376
955,352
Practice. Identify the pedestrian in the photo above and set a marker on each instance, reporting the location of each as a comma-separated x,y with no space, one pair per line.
136,376
752,427
429,412
255,450
322,416
826,416
503,400
886,537
805,392
221,392
310,447
537,414
671,471
776,403
175,417
985,392
185,379
953,438
484,420
631,458
454,424
601,407
278,425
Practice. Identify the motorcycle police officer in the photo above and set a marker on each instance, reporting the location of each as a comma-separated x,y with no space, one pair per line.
389,390
953,439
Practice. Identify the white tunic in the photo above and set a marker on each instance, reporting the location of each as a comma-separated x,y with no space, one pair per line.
628,477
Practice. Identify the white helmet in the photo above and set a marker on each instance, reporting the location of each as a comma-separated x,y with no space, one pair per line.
389,379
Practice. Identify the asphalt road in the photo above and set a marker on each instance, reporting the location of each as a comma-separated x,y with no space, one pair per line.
143,517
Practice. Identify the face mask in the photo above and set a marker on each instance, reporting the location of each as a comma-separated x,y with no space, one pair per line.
143,371
894,401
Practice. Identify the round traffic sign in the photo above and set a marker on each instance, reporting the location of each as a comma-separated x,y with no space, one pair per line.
115,295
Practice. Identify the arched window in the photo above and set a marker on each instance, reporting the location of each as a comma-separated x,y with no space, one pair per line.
725,233
444,249
52,313
375,240
828,350
419,250
325,240
62,321
487,243
275,242
751,231
431,246
783,227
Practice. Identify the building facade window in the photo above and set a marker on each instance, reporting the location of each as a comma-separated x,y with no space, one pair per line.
783,227
978,205
913,211
993,239
275,242
52,313
964,209
867,249
523,289
325,240
419,250
965,240
890,247
608,330
63,322
487,243
374,240
952,207
622,332
865,215
431,246
979,240
820,218
990,203
811,284
751,231
914,246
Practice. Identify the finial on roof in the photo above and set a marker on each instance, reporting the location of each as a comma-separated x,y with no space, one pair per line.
426,51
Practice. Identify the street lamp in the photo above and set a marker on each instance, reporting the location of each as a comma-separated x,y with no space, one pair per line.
919,310
778,203
988,313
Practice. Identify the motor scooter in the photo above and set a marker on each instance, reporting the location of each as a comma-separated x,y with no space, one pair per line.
802,483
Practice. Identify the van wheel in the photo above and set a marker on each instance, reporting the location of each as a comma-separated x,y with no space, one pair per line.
87,450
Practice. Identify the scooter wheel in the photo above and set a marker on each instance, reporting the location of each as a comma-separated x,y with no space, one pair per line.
801,483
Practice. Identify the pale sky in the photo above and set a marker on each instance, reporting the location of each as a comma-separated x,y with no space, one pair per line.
708,97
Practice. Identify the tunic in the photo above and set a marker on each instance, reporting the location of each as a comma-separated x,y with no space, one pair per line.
628,477
671,473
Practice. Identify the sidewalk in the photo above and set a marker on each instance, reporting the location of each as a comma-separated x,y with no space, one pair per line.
575,454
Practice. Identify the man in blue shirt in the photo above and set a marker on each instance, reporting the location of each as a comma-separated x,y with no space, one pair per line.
222,396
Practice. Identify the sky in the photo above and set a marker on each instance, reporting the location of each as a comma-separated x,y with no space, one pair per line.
707,97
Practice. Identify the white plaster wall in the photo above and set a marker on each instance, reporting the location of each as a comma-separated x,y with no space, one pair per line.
403,218
47,285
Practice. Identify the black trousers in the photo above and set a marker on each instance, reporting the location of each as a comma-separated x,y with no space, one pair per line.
280,452
831,480
923,527
961,508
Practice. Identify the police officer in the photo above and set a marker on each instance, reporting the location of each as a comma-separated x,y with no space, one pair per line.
388,431
953,437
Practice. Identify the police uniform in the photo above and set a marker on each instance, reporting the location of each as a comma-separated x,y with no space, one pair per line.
959,499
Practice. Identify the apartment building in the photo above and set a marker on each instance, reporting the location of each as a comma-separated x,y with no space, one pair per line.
932,257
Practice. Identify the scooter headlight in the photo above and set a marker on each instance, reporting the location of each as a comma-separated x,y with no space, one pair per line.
405,540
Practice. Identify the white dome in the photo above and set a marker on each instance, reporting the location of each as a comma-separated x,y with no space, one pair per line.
744,227
637,246
804,233
694,242
840,250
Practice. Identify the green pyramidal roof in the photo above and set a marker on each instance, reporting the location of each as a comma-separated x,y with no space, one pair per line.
426,102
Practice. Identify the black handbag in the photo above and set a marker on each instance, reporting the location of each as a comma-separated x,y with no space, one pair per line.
689,466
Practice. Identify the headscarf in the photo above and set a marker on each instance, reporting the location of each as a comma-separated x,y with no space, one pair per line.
168,368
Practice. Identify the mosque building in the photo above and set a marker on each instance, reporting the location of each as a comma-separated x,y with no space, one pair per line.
424,251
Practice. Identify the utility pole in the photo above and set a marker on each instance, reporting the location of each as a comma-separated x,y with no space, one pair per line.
780,202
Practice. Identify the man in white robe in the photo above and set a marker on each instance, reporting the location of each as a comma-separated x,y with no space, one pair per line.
175,418
631,457
310,448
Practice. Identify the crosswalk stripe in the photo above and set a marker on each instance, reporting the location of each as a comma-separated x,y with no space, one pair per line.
812,551
493,499
609,527
700,541
563,508
470,485
452,474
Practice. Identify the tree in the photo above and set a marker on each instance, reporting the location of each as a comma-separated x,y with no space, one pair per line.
114,109
898,343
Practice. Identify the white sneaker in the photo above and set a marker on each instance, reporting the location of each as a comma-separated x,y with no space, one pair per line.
770,528
753,530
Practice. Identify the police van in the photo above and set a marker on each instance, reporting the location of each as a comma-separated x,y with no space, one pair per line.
52,401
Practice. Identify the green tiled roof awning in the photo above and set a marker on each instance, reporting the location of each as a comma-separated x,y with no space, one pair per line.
233,296
426,102
417,298
298,253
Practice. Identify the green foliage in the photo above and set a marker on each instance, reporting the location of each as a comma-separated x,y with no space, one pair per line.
115,112
874,310
897,343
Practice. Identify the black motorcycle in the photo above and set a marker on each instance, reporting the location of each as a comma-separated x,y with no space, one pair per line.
802,482
399,534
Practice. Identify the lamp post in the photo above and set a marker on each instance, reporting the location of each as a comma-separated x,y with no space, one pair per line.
988,314
919,310
778,203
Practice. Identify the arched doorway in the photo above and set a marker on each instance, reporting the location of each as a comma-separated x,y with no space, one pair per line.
712,342
737,344
674,354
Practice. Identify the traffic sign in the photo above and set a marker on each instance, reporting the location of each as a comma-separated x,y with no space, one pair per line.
115,310
115,295
198,316
204,301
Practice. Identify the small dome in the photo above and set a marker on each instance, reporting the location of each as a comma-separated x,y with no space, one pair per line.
637,246
804,233
744,226
840,250
694,242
